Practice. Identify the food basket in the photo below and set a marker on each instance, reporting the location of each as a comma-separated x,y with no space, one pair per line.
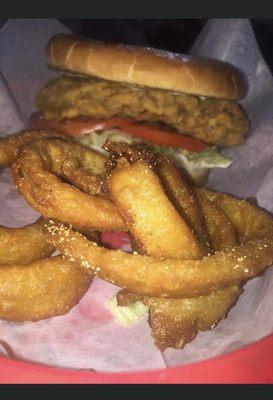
250,360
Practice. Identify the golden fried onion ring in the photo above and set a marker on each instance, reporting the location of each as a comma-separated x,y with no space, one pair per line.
33,287
175,322
183,198
11,145
170,277
24,245
156,226
248,220
37,173
41,289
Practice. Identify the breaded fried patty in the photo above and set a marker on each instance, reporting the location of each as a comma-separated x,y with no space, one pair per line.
214,121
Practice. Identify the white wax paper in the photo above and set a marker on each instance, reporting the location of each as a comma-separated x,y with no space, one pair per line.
88,337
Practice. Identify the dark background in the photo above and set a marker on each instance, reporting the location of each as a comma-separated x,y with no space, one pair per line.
169,34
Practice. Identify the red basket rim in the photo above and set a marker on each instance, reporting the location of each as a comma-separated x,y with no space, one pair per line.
251,364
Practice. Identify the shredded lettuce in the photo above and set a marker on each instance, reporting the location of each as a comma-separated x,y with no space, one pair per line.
128,315
95,140
196,164
208,158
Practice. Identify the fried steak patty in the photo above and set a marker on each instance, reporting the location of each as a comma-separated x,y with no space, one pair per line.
214,121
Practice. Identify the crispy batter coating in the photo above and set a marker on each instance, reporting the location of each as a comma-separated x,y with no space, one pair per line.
37,173
203,216
156,226
175,322
41,289
223,234
178,194
170,277
72,161
191,223
248,220
24,245
11,145
212,120
183,198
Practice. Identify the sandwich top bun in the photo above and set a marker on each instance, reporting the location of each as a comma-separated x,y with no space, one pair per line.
145,66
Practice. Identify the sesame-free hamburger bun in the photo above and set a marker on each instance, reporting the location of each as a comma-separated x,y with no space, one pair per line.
146,67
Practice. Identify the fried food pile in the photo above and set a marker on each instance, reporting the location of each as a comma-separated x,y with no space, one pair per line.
193,249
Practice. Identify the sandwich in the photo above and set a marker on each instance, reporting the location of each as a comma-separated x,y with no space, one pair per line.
183,106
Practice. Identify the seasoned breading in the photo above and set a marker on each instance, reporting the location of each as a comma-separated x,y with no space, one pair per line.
175,322
212,120
42,289
24,245
38,172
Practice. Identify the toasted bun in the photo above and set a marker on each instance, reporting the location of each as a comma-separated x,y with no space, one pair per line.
145,67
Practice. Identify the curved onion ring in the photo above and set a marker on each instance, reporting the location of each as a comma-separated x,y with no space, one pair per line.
170,277
37,172
41,289
24,245
175,322
183,197
151,218
11,145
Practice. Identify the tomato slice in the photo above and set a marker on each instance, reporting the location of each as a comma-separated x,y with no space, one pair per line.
153,133
164,137
78,126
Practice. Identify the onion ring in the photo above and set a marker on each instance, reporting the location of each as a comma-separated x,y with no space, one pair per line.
175,322
41,289
248,220
34,175
149,215
170,277
24,245
222,232
183,198
11,145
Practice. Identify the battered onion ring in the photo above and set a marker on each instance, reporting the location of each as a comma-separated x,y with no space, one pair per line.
222,232
11,145
24,245
175,278
156,226
40,290
34,175
175,322
183,198
83,167
205,218
248,220
178,191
